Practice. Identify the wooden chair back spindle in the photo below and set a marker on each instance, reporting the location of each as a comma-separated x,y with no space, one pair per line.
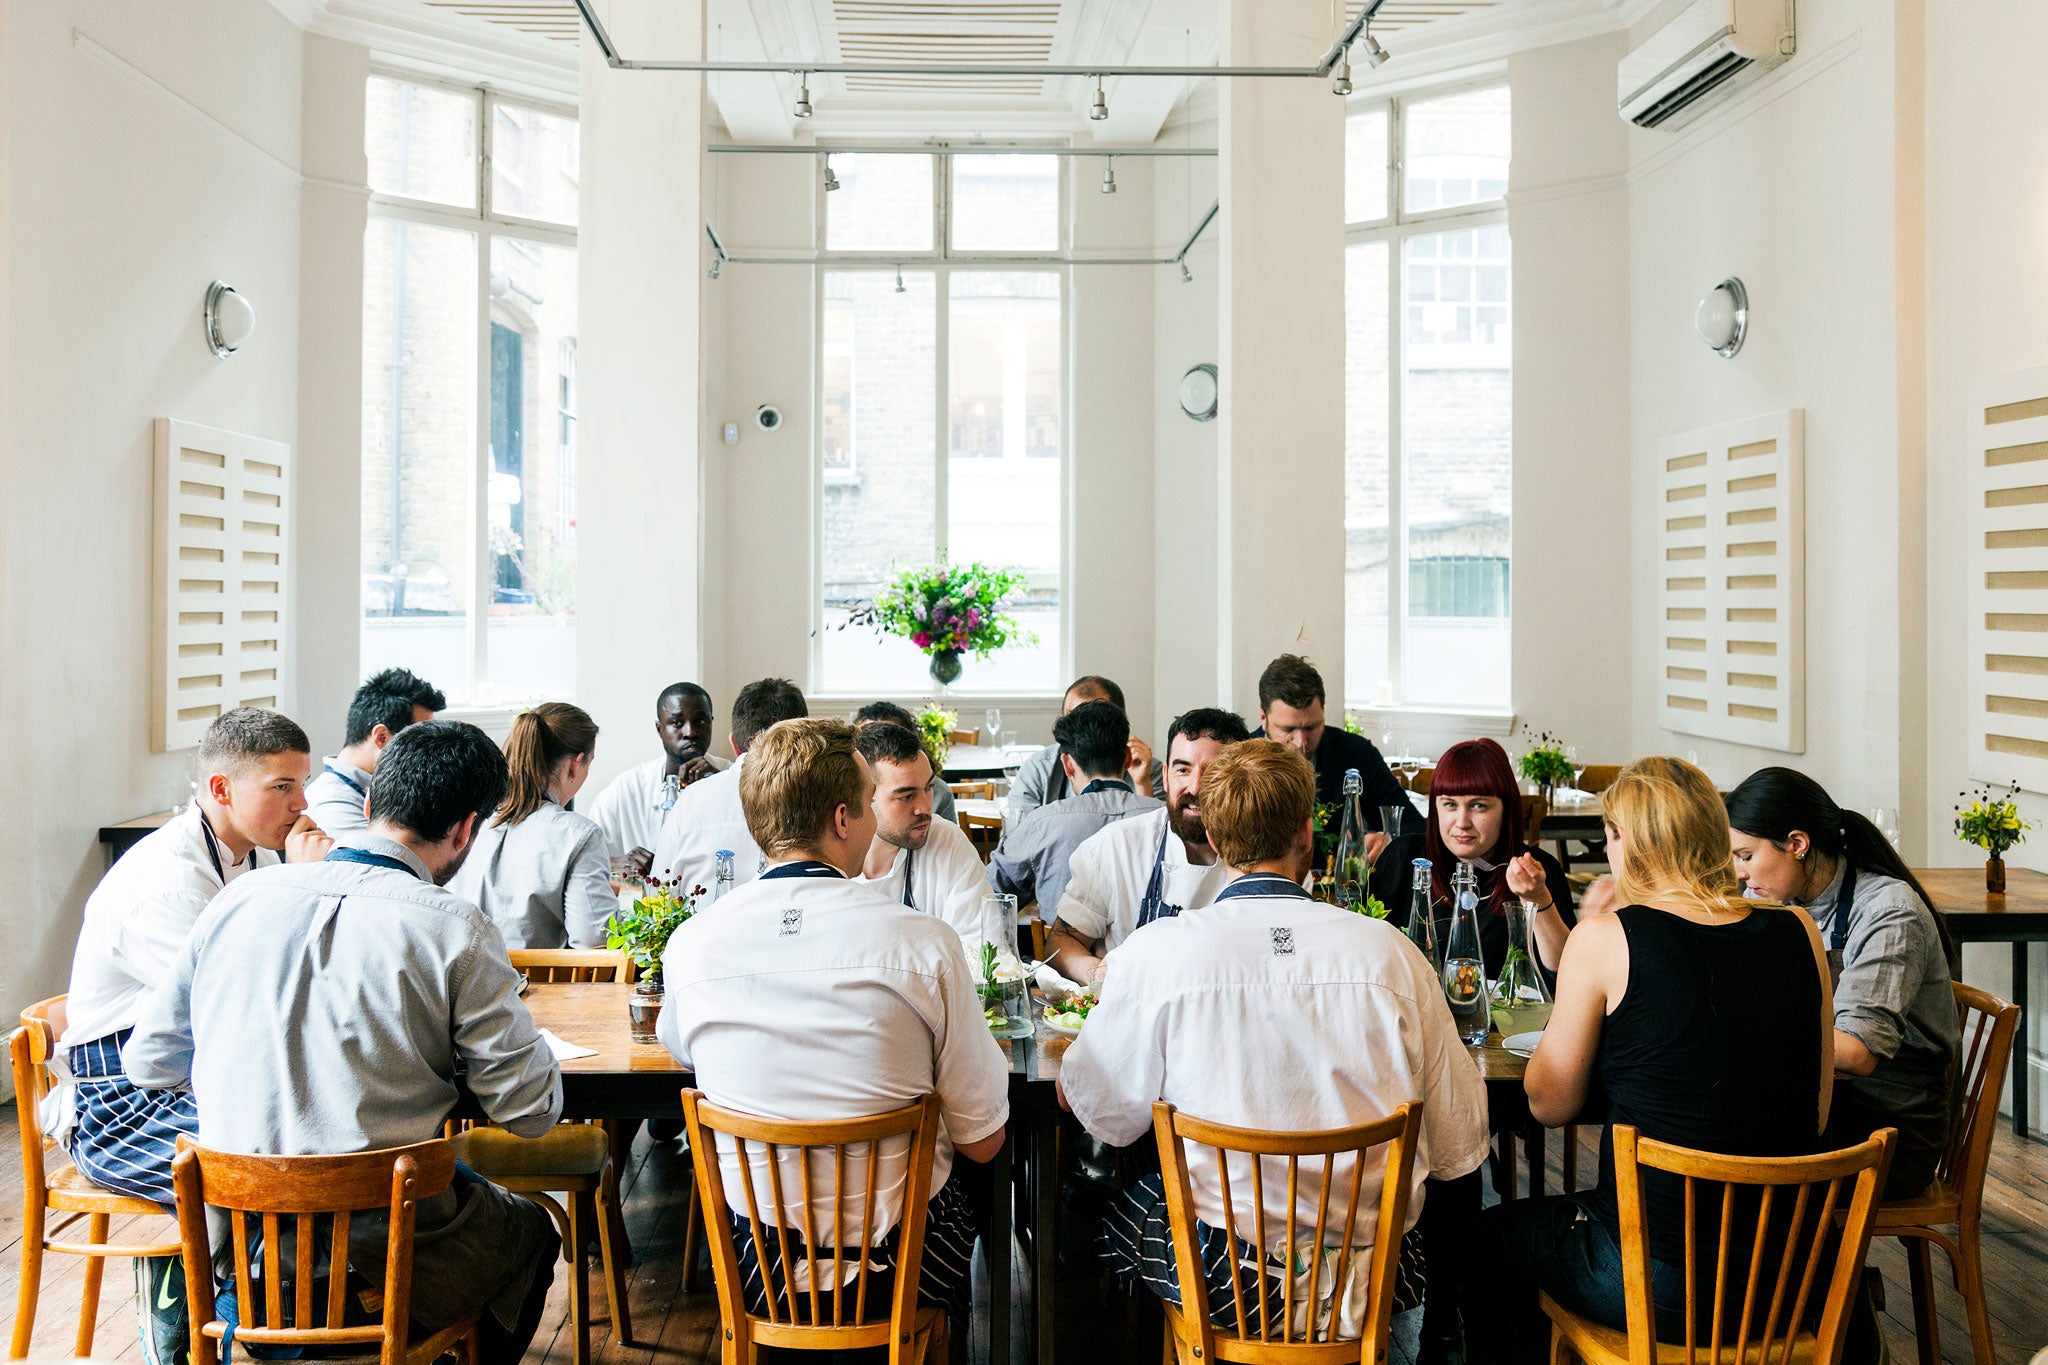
548,965
1989,1025
1263,1306
984,790
1534,809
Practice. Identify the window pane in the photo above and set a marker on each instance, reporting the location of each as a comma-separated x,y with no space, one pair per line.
1003,476
1006,203
530,648
533,164
419,449
1457,150
1457,408
1366,519
883,203
878,500
421,142
1365,166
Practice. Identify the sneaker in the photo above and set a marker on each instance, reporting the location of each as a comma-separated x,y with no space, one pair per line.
161,1310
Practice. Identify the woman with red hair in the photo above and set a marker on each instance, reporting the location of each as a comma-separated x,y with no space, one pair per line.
1475,817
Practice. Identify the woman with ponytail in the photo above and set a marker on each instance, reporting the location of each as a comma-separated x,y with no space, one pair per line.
541,871
1896,1032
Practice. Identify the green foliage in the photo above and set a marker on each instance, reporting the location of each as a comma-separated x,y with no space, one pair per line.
1992,820
1329,830
644,932
937,724
949,607
1545,763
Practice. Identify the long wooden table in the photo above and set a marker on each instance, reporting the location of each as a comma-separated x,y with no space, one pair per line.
2018,917
632,1080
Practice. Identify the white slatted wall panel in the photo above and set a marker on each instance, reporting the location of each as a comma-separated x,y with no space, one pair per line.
222,506
2008,579
1731,589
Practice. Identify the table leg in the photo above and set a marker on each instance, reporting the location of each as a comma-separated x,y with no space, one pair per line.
1045,1185
1001,1197
2019,1053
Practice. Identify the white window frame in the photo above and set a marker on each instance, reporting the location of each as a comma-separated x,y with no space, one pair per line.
486,224
1395,228
942,262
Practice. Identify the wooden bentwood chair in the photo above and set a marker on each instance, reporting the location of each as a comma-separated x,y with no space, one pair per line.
573,1160
830,1312
51,1184
1191,1337
306,1190
1769,1329
983,790
1957,1194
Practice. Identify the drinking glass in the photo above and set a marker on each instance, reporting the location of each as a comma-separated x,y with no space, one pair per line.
1887,821
1387,744
994,718
1390,821
1009,739
1571,756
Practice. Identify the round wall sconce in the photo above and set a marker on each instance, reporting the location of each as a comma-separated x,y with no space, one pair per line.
229,319
1723,317
1198,392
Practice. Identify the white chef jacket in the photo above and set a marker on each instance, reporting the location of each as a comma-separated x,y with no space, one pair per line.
137,920
1108,874
334,798
708,817
1283,1014
947,880
546,882
812,998
629,809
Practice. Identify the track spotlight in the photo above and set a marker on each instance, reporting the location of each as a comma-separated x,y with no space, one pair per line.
1108,176
899,279
831,178
803,94
1187,276
716,263
1342,84
1101,109
1375,55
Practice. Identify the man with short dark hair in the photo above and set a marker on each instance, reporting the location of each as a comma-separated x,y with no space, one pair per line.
1150,866
808,996
1042,781
1032,861
917,859
888,712
326,1009
631,809
1269,1010
708,819
1291,711
384,705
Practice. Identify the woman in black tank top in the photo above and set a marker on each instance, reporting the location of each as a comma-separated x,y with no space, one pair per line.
1700,1018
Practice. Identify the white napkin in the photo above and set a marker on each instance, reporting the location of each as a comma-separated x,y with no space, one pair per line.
564,1051
1055,986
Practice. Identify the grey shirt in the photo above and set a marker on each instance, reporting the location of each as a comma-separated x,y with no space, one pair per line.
334,798
1032,859
322,1007
546,882
1042,781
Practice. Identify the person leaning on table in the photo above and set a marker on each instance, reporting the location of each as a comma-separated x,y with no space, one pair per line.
323,1009
808,996
706,819
1896,1029
630,809
1269,1010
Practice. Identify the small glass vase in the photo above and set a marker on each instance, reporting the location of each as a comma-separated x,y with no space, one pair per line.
946,667
643,1011
1994,875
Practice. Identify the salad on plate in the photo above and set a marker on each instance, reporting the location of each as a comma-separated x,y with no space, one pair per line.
1067,1016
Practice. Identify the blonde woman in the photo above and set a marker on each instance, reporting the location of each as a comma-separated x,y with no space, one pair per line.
540,871
1706,1019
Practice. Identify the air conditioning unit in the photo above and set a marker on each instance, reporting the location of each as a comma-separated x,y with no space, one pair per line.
1710,49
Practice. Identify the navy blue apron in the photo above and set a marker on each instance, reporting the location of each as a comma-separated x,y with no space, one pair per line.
809,867
1151,907
342,853
1262,884
348,781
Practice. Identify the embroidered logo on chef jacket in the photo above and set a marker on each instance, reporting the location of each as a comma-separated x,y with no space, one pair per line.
792,922
1283,941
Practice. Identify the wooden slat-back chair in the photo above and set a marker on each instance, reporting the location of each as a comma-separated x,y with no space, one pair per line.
1773,1280
1598,777
1957,1194
1534,809
812,1318
983,831
954,737
1420,781
549,965
984,790
51,1184
1340,1221
291,1196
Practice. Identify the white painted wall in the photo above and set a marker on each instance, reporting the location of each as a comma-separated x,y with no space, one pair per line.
151,148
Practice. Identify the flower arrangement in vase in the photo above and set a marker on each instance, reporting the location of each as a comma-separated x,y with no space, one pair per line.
1546,763
1992,822
947,610
937,724
643,935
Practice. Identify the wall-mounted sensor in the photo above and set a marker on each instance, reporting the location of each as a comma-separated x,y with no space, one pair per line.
732,433
768,417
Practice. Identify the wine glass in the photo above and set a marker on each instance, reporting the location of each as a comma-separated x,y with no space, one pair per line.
1387,743
994,718
1571,756
1887,821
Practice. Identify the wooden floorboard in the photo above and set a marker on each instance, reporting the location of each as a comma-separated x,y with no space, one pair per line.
672,1327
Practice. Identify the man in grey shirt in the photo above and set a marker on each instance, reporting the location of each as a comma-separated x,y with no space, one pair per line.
323,1010
384,705
1094,743
1042,781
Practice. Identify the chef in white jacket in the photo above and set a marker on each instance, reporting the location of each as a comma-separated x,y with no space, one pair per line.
1150,866
630,810
540,871
917,859
706,819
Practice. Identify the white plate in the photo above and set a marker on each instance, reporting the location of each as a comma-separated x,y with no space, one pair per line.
1061,1029
1523,1044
